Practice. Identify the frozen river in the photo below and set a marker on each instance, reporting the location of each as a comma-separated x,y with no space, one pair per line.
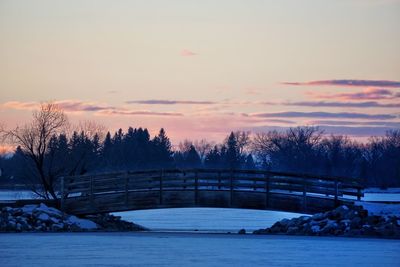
183,249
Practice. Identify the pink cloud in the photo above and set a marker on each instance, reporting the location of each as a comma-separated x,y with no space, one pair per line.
187,53
366,94
71,106
349,83
20,105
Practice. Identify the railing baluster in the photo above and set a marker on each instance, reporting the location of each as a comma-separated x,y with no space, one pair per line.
336,193
196,188
219,180
161,186
304,195
126,189
266,190
91,193
62,204
231,185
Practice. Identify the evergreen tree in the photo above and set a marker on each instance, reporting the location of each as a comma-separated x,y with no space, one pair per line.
162,150
192,158
249,164
232,152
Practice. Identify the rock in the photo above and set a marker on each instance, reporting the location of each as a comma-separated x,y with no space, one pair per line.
318,217
342,221
355,223
242,232
43,217
315,228
292,230
57,227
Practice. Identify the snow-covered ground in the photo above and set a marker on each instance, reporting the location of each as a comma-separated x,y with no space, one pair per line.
172,249
205,219
381,209
391,190
16,194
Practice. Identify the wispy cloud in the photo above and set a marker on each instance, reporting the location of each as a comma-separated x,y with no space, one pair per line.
66,105
366,104
252,91
342,115
20,105
170,102
76,106
82,106
351,83
366,94
187,53
354,123
137,113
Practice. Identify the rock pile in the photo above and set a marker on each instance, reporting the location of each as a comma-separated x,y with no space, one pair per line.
342,221
40,218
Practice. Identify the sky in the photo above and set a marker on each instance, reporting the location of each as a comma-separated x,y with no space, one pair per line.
201,69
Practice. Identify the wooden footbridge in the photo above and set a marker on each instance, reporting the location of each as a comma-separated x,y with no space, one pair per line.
252,189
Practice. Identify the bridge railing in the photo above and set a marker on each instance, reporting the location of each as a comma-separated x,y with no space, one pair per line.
90,187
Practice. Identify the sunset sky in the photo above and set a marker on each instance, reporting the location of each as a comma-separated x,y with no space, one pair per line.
203,68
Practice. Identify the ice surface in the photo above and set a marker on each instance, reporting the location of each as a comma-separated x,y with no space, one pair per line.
167,249
205,219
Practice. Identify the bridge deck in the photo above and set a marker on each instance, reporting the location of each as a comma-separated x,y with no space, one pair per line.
251,189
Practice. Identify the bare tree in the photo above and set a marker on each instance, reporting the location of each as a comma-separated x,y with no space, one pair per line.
91,129
33,139
203,147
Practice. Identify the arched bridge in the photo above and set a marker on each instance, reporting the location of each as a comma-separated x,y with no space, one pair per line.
252,189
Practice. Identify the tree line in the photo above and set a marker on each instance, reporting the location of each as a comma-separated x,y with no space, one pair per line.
47,151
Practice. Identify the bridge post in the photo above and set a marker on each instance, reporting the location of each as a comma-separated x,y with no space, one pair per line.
161,186
304,195
126,189
231,189
336,192
196,188
219,180
91,193
266,175
62,204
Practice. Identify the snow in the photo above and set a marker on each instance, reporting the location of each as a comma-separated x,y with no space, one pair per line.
82,223
29,208
380,208
172,249
16,194
391,190
49,210
205,219
315,228
43,217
